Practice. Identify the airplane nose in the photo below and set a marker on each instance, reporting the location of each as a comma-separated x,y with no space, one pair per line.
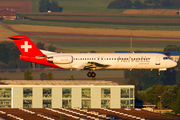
175,63
171,64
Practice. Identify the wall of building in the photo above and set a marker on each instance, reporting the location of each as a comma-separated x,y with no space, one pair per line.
55,96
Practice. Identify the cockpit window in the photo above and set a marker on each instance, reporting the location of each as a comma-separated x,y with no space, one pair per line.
165,58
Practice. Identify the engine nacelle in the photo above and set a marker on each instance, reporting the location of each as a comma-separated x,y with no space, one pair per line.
64,59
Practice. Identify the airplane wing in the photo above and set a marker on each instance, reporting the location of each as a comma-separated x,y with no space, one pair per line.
95,65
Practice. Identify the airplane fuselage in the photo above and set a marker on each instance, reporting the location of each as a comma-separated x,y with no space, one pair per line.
117,60
91,61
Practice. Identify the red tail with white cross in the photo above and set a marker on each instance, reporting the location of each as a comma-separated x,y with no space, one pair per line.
26,46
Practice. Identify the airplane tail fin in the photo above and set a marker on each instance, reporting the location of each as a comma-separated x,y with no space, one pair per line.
26,46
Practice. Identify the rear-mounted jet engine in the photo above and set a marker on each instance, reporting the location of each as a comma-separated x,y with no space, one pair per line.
60,59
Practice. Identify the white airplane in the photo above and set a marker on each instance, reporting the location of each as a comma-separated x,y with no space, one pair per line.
91,61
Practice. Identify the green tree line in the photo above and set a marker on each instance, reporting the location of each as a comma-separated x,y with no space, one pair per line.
45,5
137,4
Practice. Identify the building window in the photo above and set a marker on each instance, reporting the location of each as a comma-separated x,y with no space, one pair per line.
27,103
66,93
5,92
66,103
47,104
47,92
5,103
27,92
86,103
105,93
124,92
105,103
86,93
124,103
131,103
131,92
127,103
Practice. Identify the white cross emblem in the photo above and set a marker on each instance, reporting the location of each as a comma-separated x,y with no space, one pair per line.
26,46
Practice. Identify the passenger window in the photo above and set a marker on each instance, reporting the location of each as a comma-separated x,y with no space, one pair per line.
114,58
109,58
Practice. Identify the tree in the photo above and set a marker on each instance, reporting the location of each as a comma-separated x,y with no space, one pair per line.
156,1
170,77
54,7
137,4
27,74
178,72
149,1
118,4
92,51
72,77
134,81
167,99
156,5
50,76
8,52
22,65
40,45
44,5
166,3
154,92
144,5
176,105
11,66
51,48
3,67
175,3
43,76
171,48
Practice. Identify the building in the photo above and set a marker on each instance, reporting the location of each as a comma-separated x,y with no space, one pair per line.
66,94
8,14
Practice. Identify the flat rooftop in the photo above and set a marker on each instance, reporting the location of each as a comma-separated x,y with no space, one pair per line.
58,82
74,114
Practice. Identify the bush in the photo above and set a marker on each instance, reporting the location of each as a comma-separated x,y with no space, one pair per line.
27,75
50,76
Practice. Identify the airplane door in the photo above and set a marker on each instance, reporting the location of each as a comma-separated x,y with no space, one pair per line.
157,61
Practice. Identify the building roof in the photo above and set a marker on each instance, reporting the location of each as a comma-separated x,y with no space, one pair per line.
72,114
57,82
8,12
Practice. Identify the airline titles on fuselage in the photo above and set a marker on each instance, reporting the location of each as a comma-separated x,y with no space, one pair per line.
119,59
